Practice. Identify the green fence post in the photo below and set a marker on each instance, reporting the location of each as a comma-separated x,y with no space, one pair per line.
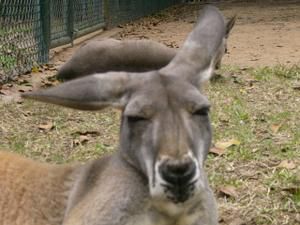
70,19
44,40
106,13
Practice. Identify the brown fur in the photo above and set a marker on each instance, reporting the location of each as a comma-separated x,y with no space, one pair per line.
32,192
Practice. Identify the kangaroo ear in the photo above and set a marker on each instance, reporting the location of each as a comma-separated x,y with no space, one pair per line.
229,25
93,92
113,55
202,50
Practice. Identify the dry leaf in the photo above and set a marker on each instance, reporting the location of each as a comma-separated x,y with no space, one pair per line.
227,144
237,221
47,83
287,164
26,113
83,139
292,190
35,69
298,217
91,133
6,86
76,142
275,128
49,67
6,92
24,89
21,81
46,126
229,191
19,100
52,78
296,87
3,129
217,151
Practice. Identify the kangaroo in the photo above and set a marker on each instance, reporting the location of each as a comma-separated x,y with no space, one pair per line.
129,55
113,55
157,175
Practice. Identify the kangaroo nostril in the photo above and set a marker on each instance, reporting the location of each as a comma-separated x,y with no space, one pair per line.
178,173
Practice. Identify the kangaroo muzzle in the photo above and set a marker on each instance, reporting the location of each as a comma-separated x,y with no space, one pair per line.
178,177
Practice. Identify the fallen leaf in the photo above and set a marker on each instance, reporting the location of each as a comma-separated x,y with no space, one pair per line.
21,81
236,221
275,128
6,92
35,69
46,126
287,164
217,151
52,78
227,144
75,142
298,217
83,139
296,87
53,69
47,83
293,190
19,100
6,86
243,91
26,113
49,67
229,191
24,89
91,133
3,129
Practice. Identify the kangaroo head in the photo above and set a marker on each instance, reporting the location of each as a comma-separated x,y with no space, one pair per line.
165,129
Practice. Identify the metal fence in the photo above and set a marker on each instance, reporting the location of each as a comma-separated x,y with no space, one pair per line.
29,28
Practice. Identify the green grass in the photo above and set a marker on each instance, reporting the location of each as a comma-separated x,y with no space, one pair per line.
280,71
17,50
246,104
8,62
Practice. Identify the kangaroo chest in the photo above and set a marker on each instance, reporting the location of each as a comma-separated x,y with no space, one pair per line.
166,215
160,220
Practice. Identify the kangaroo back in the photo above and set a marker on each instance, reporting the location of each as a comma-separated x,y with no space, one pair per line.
32,193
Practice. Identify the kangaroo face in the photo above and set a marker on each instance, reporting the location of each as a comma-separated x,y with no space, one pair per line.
166,133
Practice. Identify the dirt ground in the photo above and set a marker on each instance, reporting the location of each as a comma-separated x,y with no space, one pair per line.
264,34
256,177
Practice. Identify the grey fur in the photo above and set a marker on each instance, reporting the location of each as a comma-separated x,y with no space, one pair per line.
114,55
164,120
129,55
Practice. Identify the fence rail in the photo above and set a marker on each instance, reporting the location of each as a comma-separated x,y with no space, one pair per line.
29,28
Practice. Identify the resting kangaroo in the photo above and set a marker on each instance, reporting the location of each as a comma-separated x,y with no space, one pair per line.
157,175
128,55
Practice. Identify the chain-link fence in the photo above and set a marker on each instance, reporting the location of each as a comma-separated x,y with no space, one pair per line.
29,28
20,36
123,11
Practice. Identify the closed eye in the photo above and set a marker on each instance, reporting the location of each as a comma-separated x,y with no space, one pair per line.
201,112
135,119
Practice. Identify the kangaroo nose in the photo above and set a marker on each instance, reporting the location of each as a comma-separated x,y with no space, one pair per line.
178,173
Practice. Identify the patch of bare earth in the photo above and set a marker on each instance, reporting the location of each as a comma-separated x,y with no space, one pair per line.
264,35
254,166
